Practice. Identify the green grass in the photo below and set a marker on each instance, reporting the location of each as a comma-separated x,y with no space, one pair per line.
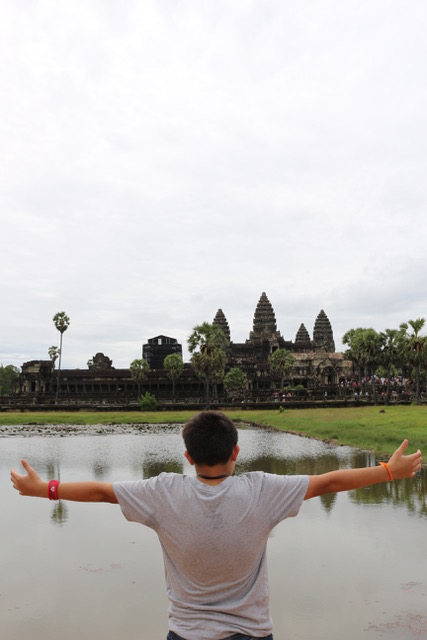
364,427
94,417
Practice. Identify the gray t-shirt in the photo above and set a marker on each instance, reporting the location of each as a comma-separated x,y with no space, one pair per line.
214,545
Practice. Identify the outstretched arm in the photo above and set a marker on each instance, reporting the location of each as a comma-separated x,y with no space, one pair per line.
400,466
31,484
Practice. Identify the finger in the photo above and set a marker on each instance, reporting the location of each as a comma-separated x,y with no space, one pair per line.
26,466
29,469
403,446
415,456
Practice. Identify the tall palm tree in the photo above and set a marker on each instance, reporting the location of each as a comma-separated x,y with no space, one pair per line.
354,339
281,361
138,371
371,350
364,351
53,352
61,322
391,357
174,365
207,344
412,347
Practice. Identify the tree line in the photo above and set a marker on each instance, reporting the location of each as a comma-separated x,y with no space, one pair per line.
375,355
384,354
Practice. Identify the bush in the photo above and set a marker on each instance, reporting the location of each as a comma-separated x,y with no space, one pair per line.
148,402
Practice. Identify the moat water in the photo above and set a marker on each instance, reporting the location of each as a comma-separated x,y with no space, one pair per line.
349,566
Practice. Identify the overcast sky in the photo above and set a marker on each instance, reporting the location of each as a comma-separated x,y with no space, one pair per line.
163,159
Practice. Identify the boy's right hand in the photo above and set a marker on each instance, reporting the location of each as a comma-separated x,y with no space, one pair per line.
29,484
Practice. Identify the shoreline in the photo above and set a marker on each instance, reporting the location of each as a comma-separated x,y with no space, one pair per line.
71,430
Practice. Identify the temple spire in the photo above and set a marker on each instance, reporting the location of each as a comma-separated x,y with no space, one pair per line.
323,338
264,327
302,337
221,321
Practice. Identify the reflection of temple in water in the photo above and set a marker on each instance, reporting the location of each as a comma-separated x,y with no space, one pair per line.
316,365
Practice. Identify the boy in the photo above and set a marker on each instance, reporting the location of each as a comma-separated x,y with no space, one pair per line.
213,528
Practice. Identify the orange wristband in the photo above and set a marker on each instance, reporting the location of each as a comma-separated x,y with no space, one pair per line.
384,464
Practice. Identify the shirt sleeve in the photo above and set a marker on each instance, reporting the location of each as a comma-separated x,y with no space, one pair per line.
137,500
284,495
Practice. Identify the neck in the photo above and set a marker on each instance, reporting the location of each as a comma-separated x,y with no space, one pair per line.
220,477
216,474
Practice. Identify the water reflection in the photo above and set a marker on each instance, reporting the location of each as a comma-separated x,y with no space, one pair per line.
333,570
152,467
411,493
148,455
59,513
100,469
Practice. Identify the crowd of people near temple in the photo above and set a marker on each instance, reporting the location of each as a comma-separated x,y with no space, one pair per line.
398,388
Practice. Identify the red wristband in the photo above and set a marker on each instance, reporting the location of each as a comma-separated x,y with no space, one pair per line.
52,490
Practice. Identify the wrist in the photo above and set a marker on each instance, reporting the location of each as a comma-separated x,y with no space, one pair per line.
42,490
52,489
388,470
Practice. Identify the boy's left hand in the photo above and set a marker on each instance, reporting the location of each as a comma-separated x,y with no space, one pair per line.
402,466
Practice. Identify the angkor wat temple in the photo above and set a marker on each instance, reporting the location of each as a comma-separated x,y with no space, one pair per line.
316,365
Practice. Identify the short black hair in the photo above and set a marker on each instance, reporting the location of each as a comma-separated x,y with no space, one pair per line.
210,437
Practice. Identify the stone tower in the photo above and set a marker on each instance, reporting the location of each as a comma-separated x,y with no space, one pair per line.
323,337
264,327
221,321
302,337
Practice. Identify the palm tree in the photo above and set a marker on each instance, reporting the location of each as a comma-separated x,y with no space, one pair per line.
371,354
412,346
174,365
61,322
365,349
207,344
281,361
138,371
353,338
53,354
390,357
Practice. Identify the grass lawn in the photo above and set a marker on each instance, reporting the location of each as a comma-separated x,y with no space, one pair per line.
381,429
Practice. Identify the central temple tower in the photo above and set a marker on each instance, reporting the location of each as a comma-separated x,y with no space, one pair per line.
264,327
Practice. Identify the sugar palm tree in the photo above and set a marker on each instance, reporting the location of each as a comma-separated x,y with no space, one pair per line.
390,356
174,365
353,339
412,346
138,371
61,322
207,344
53,352
281,361
371,355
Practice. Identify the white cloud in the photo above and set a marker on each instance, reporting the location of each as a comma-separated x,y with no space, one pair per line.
169,158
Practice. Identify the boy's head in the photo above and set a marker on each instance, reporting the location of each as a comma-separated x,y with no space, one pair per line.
210,437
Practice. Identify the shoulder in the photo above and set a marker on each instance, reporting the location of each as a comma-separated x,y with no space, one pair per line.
272,481
164,479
